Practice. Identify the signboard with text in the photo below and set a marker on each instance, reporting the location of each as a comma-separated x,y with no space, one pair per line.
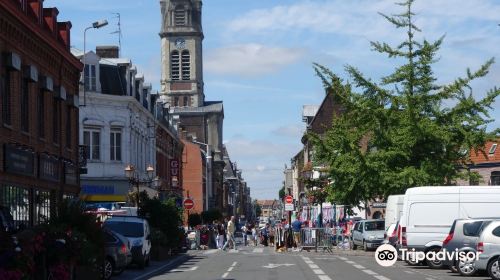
174,172
289,205
19,161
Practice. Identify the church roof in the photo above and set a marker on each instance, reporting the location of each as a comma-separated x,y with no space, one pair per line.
209,107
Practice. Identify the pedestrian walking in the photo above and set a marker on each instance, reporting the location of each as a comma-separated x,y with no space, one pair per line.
272,233
296,226
255,235
221,233
230,234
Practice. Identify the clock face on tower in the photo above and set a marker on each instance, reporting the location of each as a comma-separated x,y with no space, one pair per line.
180,43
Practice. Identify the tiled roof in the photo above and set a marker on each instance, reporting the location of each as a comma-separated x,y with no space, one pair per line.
266,203
485,156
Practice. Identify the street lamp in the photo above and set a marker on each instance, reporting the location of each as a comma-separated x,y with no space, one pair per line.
96,25
208,160
134,179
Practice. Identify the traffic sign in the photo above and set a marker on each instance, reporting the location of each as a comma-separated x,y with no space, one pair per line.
188,204
289,207
288,199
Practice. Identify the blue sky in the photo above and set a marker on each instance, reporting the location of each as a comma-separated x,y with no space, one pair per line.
258,59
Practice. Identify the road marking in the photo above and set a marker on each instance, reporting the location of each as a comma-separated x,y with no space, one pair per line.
258,250
184,270
230,269
234,264
380,277
211,251
275,265
358,266
409,272
318,271
344,259
368,271
350,262
324,277
225,275
309,262
313,266
428,278
158,269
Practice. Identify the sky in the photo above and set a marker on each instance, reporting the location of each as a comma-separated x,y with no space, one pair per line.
258,58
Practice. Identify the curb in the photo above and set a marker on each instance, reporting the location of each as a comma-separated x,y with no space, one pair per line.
176,260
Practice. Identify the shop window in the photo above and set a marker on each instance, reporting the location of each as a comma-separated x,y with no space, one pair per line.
16,200
42,207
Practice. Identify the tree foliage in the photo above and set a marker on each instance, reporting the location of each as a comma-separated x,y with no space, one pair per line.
405,130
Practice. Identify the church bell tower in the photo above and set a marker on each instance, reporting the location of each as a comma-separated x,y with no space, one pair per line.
181,53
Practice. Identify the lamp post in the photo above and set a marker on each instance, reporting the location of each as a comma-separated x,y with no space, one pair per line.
135,180
208,169
96,25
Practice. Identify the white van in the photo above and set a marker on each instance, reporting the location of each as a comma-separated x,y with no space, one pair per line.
393,209
429,212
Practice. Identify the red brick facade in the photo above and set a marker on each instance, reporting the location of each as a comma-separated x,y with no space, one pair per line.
193,173
38,144
169,161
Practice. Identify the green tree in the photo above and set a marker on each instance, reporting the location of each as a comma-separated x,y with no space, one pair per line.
405,130
194,219
282,193
258,209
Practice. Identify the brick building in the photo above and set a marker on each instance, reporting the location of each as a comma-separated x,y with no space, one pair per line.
194,176
486,163
39,112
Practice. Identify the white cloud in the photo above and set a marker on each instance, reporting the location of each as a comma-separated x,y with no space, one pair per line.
293,131
250,59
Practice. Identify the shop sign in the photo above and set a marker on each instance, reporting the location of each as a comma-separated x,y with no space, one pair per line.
96,189
70,175
379,205
174,172
49,168
19,161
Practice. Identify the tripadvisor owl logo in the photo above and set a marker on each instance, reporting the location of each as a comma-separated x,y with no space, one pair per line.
386,255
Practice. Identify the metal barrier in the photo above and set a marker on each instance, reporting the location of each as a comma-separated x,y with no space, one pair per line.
316,238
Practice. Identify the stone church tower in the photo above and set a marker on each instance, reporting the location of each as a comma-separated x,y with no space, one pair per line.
182,87
181,45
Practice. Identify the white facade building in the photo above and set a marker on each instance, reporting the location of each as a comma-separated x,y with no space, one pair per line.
117,126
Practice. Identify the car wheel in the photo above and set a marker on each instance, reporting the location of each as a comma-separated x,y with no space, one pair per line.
354,246
435,264
466,266
107,269
494,269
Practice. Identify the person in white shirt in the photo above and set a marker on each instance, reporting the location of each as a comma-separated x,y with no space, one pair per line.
230,234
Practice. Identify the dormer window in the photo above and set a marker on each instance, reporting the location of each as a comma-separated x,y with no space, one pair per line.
90,77
493,149
180,16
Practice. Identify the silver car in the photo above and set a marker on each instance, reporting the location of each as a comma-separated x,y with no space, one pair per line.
463,237
488,245
368,233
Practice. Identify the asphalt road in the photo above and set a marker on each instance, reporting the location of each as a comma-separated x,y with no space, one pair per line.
259,263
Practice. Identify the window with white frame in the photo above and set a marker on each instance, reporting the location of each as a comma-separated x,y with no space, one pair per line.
90,77
92,143
493,149
115,141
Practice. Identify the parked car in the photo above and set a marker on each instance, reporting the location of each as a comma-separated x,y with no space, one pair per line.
463,237
391,235
488,245
118,255
393,210
368,233
138,232
424,230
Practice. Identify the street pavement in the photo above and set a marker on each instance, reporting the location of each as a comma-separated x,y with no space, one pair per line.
262,263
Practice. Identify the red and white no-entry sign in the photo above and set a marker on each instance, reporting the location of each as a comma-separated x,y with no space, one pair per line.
188,204
289,206
288,199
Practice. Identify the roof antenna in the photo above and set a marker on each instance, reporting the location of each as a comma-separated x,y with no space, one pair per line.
119,32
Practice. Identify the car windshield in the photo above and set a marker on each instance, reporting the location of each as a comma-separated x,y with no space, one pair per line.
101,205
375,225
127,229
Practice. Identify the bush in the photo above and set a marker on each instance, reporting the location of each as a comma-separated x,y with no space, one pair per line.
163,216
194,220
211,215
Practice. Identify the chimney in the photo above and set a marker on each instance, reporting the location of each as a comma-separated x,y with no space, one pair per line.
50,19
36,7
107,51
64,29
